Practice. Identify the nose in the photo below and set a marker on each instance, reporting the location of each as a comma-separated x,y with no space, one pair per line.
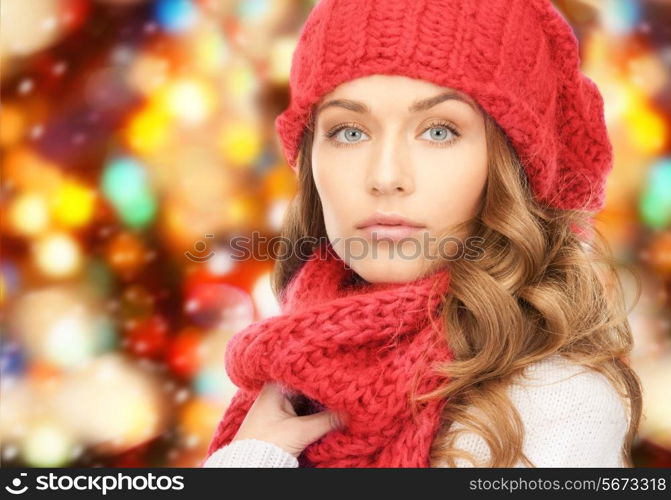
389,172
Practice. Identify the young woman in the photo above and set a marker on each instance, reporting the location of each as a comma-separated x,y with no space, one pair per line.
457,307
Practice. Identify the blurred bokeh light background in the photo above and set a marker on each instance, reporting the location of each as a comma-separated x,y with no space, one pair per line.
137,139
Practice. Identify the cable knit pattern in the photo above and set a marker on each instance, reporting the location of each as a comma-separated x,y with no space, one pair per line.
518,58
573,417
357,351
251,453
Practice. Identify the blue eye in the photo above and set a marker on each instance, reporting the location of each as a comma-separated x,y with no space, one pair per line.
350,135
441,133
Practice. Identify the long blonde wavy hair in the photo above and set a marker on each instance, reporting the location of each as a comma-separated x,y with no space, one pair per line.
537,289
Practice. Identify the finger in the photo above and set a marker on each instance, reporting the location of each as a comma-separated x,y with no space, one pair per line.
316,425
271,396
288,407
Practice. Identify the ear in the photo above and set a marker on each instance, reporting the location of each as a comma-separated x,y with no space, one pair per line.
297,162
294,167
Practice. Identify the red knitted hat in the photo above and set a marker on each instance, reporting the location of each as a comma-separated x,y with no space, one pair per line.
518,58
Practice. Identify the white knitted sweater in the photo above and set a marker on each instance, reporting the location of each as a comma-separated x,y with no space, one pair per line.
572,415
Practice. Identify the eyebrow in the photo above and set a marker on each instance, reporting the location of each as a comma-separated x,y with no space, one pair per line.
417,106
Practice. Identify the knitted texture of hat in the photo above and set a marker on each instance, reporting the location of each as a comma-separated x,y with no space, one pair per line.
519,59
358,351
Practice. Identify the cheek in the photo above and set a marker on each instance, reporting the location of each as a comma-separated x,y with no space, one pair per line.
334,182
453,182
328,180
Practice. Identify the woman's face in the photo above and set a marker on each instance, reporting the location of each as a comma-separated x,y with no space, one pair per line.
393,145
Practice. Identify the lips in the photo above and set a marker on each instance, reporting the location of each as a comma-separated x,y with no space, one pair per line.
379,218
389,226
393,233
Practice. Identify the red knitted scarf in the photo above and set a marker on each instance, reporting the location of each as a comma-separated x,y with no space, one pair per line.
354,349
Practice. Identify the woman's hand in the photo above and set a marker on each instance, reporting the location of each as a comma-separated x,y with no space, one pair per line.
272,418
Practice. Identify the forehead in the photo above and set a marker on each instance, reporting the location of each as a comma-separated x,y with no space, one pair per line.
361,94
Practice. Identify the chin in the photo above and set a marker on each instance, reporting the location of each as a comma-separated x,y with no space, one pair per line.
380,262
386,270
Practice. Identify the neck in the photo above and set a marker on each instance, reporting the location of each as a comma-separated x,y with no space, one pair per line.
353,280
